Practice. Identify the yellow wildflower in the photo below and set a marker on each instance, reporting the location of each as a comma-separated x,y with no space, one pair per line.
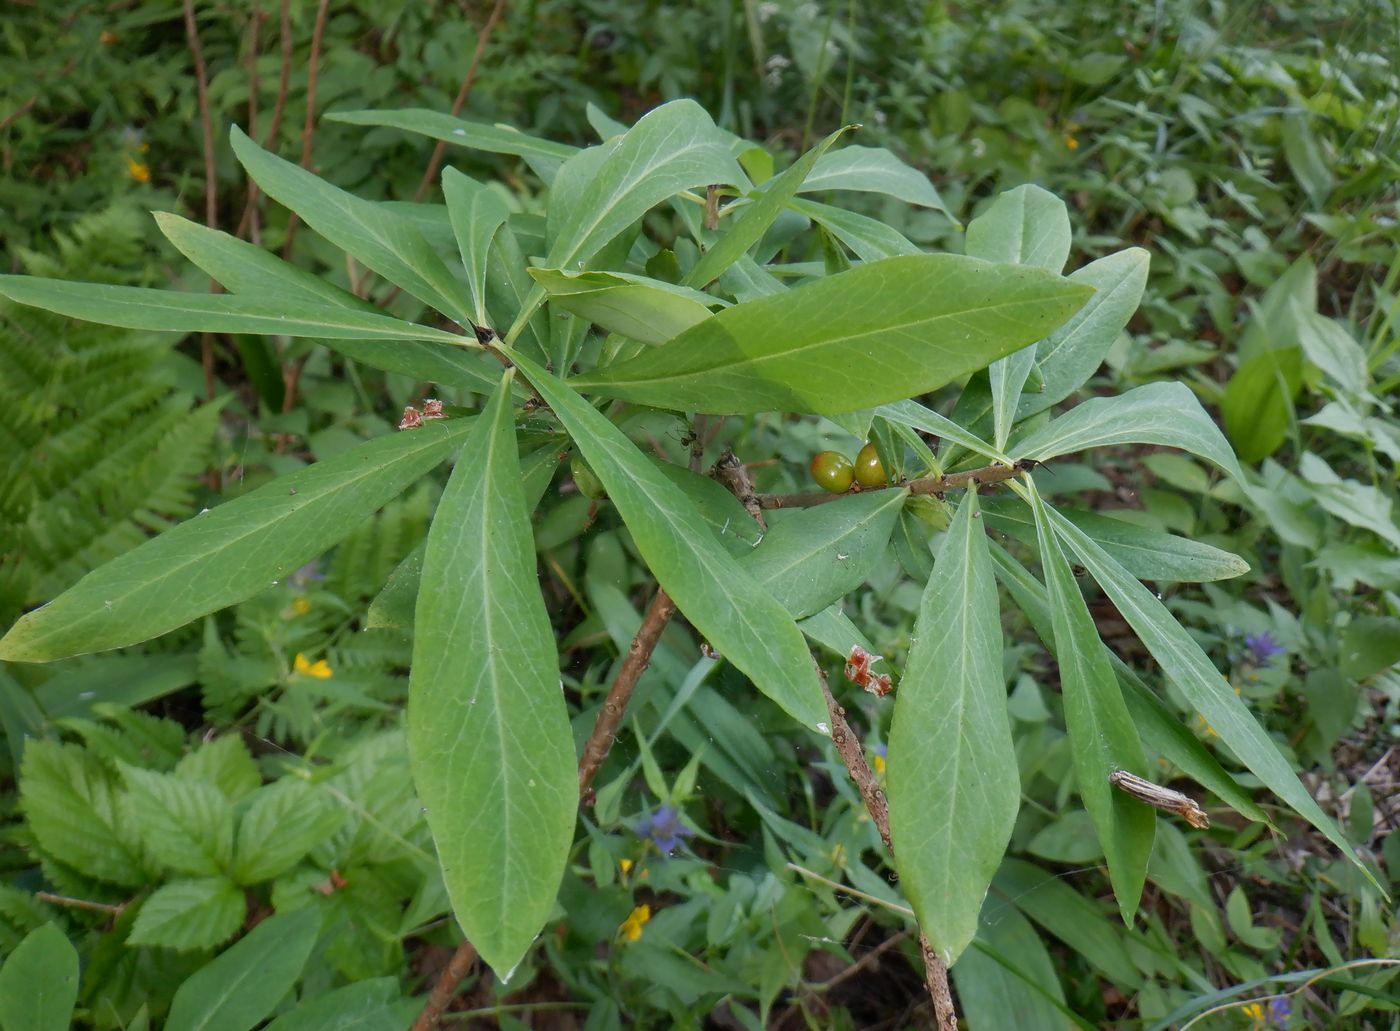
301,605
877,763
631,928
625,865
320,669
1254,1011
138,170
1071,143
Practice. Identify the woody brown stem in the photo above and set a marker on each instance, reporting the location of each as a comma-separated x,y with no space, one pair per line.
848,747
996,473
445,988
600,742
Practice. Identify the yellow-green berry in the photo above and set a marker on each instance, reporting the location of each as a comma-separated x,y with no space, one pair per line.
869,471
833,471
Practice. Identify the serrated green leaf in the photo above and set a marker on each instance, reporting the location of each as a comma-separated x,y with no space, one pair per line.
283,821
239,988
643,309
812,557
186,915
224,763
909,324
1070,354
39,983
134,307
488,728
953,785
749,225
1147,554
1208,691
1158,413
495,139
71,802
382,240
724,603
476,212
229,553
1101,733
186,825
873,170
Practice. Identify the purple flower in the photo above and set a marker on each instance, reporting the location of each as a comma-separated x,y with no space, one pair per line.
664,829
1279,1011
1261,649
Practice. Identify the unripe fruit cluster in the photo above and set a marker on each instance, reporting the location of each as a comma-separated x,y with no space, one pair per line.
836,473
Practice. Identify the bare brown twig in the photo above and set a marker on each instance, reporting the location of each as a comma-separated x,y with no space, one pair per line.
462,94
313,65
600,742
848,747
211,199
925,485
445,988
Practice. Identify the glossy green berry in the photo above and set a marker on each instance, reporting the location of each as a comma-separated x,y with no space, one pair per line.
833,471
869,471
586,480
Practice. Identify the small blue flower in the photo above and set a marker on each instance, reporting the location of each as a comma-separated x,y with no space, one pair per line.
1261,649
1279,1011
664,829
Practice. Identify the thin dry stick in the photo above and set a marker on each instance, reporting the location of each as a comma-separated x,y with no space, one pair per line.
248,221
250,211
925,485
462,94
600,742
71,903
313,63
848,747
211,200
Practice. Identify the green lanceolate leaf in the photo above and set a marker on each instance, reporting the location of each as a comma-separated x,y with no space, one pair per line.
603,190
1159,729
476,212
1024,226
134,307
916,416
1146,554
386,242
643,309
495,139
812,557
1208,691
39,983
226,554
244,268
239,988
953,784
753,220
1069,355
1101,733
1159,413
869,238
907,325
714,592
488,729
873,170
